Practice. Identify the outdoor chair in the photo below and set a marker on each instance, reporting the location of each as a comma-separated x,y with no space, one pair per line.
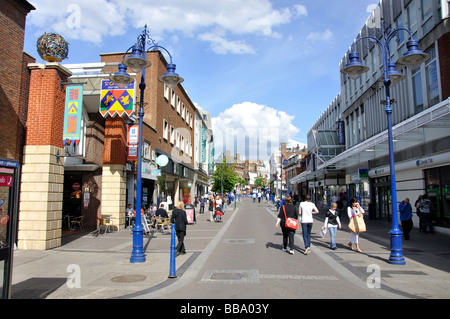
77,221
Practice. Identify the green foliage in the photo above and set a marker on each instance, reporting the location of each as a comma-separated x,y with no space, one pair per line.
230,178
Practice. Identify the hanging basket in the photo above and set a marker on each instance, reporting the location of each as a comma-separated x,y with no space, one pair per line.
52,47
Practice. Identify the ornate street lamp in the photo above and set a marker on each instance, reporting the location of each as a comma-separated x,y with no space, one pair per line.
412,59
137,62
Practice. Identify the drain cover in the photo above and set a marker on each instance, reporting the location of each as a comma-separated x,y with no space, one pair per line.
246,276
128,278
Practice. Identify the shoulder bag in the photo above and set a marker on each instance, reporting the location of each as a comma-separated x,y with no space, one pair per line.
357,225
290,223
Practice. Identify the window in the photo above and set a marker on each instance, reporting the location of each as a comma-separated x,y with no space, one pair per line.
178,105
177,140
182,110
417,91
190,120
412,16
165,130
432,78
187,117
146,150
172,100
182,143
166,92
427,10
172,135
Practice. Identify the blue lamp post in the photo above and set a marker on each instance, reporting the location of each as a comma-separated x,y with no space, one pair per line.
137,62
412,59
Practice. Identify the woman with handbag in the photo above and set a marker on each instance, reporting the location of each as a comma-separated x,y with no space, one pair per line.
354,211
287,213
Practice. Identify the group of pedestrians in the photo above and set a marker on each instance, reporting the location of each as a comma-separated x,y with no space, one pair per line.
305,213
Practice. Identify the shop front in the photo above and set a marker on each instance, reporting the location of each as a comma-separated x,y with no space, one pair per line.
358,187
9,194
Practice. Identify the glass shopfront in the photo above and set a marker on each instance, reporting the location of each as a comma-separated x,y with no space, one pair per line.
9,194
437,185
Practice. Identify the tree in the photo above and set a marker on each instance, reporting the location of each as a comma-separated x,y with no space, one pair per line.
260,182
230,178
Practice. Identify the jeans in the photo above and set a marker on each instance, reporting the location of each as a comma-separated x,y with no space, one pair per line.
306,230
332,231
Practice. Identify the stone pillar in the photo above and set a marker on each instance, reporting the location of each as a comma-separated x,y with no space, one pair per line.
114,171
41,196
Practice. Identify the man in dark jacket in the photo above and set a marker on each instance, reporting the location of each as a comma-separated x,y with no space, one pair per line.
179,219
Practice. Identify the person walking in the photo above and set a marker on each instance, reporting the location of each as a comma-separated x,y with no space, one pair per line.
306,210
417,206
406,217
202,205
180,220
354,210
425,212
211,208
331,223
288,234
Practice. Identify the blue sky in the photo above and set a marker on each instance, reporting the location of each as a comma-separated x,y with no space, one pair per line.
267,68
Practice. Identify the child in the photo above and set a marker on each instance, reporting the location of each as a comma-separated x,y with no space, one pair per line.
332,221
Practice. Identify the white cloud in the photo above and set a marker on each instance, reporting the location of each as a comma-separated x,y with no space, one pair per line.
320,36
92,21
254,130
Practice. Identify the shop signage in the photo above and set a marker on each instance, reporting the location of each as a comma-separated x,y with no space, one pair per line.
6,176
73,112
133,138
117,101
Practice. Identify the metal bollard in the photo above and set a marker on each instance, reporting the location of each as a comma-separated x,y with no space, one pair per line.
172,272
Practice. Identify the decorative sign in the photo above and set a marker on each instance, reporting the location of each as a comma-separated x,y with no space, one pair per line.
117,101
73,112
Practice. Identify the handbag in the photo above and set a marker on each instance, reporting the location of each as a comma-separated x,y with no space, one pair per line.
357,225
290,223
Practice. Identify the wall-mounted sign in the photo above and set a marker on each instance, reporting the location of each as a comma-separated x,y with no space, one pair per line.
73,112
117,101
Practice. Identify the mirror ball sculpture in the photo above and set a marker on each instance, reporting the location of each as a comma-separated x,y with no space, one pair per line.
52,47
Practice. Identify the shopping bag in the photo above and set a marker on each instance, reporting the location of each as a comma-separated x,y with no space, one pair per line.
323,232
357,225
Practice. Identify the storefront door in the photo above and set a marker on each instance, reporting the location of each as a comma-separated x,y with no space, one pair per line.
9,193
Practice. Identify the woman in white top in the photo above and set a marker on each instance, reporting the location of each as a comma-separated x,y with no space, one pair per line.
354,210
306,210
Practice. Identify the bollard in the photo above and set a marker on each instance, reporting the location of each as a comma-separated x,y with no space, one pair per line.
172,271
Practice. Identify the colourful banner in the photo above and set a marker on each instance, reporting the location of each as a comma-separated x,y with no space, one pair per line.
117,101
73,113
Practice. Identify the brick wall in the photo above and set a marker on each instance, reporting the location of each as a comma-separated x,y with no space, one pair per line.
12,89
46,106
115,141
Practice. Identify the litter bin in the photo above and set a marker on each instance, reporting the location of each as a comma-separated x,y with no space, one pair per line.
190,213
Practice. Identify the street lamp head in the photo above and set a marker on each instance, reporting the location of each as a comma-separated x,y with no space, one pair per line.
170,78
136,61
121,78
394,75
354,68
414,57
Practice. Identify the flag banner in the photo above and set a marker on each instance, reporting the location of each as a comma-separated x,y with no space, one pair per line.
117,101
73,112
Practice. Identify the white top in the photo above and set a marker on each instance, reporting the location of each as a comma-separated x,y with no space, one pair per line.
351,212
306,210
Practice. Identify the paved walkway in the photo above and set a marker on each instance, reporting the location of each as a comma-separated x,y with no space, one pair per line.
88,267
